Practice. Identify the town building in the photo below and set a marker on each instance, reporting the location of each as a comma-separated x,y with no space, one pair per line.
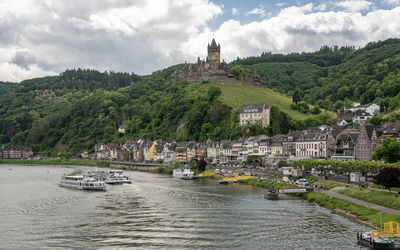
254,113
315,145
16,152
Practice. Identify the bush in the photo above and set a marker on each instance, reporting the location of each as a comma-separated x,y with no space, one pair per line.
102,164
161,170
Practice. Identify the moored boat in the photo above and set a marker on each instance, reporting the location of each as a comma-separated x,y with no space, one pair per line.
375,240
271,194
183,173
82,183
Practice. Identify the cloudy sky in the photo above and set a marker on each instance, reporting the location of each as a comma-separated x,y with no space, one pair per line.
45,37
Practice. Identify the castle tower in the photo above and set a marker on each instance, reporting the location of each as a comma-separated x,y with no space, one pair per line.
214,53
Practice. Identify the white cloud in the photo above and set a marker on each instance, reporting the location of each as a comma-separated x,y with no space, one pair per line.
235,11
321,7
257,11
391,2
355,5
280,4
40,38
296,29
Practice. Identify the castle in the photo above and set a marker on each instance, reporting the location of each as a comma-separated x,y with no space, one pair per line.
212,69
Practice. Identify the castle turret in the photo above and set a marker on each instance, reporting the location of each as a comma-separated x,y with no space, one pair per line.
214,52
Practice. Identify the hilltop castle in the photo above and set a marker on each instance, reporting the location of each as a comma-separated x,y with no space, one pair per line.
212,69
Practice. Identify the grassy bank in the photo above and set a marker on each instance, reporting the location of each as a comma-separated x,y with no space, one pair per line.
354,211
376,197
362,214
209,175
55,162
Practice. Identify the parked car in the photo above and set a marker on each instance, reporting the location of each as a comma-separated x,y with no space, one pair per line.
302,182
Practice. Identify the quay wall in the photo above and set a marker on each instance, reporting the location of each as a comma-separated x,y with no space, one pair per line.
137,167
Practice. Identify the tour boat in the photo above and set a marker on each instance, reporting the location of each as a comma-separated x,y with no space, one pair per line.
375,241
82,182
111,177
118,175
115,180
183,173
271,194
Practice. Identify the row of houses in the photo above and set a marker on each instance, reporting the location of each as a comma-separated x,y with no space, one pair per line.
16,152
356,142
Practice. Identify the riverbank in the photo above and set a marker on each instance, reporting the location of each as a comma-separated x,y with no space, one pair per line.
55,162
359,213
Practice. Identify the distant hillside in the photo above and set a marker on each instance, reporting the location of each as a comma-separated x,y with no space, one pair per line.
5,87
369,74
78,108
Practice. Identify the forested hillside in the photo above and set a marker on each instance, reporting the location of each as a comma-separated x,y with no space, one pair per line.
5,87
72,111
339,75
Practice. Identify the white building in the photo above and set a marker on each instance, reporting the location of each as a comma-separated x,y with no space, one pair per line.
314,145
254,113
373,109
361,117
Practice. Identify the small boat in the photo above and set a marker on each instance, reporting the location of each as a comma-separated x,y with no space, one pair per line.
223,182
82,182
375,240
271,194
183,173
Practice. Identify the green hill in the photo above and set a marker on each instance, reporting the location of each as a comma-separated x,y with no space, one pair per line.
236,95
340,75
78,108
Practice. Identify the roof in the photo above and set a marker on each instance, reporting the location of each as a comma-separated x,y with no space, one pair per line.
314,136
362,113
346,137
253,107
24,148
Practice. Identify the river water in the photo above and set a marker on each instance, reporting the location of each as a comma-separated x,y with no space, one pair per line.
158,211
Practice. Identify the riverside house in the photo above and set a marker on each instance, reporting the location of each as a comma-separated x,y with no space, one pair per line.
16,152
315,145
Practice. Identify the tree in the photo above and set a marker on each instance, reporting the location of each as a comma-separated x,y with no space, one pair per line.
296,97
315,110
389,151
213,92
388,177
239,71
201,165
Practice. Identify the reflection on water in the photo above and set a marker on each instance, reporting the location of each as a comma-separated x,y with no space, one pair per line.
157,211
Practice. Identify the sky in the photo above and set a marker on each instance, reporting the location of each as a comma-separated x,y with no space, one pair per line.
45,37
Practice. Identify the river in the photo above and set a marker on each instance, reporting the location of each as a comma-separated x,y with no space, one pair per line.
157,211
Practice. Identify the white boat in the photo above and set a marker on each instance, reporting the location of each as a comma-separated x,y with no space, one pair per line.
111,176
183,173
374,240
118,175
82,182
